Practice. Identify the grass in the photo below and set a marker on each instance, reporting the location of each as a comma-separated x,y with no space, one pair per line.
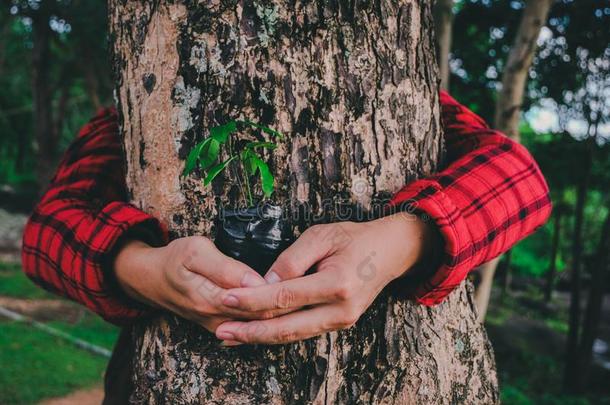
14,283
35,366
92,329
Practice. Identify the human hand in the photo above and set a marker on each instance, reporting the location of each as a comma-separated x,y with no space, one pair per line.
188,277
353,263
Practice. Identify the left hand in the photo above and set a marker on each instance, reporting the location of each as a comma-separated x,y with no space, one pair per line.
353,263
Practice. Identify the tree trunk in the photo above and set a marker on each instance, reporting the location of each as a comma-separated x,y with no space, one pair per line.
506,274
443,26
508,107
92,81
550,276
514,76
593,313
572,369
353,86
483,291
44,133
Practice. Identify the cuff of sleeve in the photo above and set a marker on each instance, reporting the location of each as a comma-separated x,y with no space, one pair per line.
124,222
427,199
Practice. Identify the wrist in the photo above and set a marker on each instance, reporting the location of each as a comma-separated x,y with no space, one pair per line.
133,268
414,238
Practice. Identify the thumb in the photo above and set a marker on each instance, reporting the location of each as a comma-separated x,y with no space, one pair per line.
206,260
313,245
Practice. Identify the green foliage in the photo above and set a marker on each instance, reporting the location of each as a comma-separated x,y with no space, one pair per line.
205,154
484,32
526,258
267,179
568,73
215,170
513,395
78,71
221,133
529,357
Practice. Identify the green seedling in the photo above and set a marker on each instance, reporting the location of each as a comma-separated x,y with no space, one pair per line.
244,158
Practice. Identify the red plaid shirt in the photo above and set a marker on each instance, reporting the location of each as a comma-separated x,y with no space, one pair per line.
490,196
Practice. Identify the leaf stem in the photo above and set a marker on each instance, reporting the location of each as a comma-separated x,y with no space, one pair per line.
250,200
235,172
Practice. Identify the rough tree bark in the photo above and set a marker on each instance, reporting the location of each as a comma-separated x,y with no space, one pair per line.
508,108
443,25
354,86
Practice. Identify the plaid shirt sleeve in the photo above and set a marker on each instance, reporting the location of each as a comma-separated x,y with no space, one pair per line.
69,239
491,195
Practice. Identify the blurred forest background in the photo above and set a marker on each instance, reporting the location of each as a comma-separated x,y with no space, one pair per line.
549,311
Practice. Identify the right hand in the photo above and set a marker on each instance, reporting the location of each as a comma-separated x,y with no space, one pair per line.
187,277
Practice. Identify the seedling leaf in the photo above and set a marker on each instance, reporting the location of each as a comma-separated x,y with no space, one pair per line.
221,133
215,171
247,162
209,154
193,156
267,180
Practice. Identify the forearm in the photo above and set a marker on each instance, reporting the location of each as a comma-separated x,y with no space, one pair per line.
73,233
135,264
490,196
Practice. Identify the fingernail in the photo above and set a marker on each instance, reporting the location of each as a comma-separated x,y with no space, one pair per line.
230,301
230,343
272,278
251,280
224,335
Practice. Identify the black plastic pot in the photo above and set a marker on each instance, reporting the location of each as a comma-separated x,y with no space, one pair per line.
255,236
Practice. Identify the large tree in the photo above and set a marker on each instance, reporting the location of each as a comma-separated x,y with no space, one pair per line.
353,85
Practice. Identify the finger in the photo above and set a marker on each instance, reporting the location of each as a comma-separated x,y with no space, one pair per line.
203,298
285,329
316,288
254,315
198,296
213,322
205,259
312,246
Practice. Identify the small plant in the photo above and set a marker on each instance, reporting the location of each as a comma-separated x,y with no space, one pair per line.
243,157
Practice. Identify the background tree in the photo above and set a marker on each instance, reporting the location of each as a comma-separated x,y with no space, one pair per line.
582,100
308,71
551,274
63,44
593,314
508,108
481,46
443,26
